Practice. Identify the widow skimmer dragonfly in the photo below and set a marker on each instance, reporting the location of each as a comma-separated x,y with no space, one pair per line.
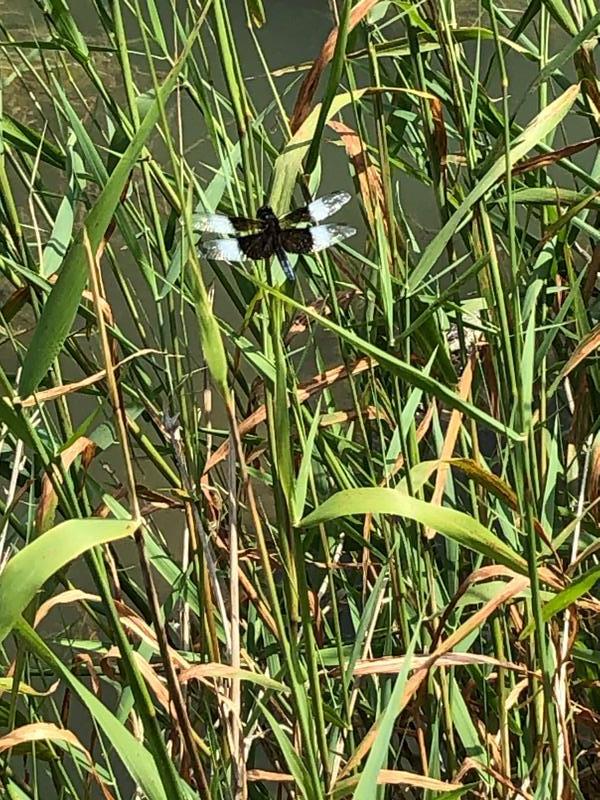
269,235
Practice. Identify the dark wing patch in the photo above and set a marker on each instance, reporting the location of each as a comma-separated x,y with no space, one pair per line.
312,240
296,217
257,245
297,240
242,224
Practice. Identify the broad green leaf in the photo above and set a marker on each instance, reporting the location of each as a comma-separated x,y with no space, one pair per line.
289,164
61,307
455,525
30,568
566,598
545,122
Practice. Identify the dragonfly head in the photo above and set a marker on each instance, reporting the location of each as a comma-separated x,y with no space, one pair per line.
266,213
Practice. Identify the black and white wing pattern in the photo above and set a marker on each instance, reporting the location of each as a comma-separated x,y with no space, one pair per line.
317,210
312,240
239,248
221,223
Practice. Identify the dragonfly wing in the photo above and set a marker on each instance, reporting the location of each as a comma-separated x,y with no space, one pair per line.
239,248
221,223
327,235
327,205
223,250
312,240
257,245
297,240
317,210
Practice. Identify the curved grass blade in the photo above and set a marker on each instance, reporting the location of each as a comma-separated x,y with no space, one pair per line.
545,122
377,757
335,76
61,307
292,759
289,164
31,567
567,597
455,525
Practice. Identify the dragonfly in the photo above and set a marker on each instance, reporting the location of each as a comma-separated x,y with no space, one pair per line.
269,235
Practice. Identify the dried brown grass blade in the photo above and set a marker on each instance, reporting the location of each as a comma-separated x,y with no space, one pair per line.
584,349
369,177
48,500
390,777
64,598
255,775
301,322
340,417
40,731
464,389
306,390
48,732
307,91
440,139
414,682
398,777
547,159
69,388
390,665
154,682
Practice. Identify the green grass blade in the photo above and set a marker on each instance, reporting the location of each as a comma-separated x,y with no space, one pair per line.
378,753
138,761
566,598
455,525
30,568
536,131
61,306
